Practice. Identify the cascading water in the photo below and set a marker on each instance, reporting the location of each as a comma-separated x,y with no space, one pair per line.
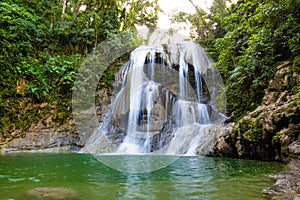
162,106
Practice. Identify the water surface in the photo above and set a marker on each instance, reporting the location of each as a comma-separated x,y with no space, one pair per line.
192,177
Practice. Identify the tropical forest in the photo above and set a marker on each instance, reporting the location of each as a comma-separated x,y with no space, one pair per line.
91,109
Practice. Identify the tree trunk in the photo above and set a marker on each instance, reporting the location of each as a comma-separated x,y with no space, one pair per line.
64,9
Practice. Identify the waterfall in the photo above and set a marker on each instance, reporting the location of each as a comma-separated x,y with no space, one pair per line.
163,104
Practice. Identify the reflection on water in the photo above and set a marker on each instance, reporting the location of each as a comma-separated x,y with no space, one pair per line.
136,163
187,178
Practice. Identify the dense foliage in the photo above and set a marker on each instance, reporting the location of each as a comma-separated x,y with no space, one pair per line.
43,44
248,40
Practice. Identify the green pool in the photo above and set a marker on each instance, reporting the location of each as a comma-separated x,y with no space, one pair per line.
192,177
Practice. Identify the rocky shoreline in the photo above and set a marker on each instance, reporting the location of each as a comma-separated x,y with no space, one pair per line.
43,138
287,184
270,133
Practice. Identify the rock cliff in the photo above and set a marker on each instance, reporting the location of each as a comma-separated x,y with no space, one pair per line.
266,132
271,132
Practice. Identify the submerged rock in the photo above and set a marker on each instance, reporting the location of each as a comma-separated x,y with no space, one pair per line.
52,193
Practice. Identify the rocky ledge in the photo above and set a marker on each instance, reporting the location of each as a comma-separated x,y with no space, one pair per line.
43,138
287,184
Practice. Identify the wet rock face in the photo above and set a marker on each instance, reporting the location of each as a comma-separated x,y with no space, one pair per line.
163,102
52,193
267,132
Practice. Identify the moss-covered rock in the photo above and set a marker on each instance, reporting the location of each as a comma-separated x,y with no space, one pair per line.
22,114
266,132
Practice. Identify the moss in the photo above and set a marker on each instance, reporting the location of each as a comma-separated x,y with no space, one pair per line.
249,129
276,139
296,61
108,77
252,136
297,130
21,113
256,132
